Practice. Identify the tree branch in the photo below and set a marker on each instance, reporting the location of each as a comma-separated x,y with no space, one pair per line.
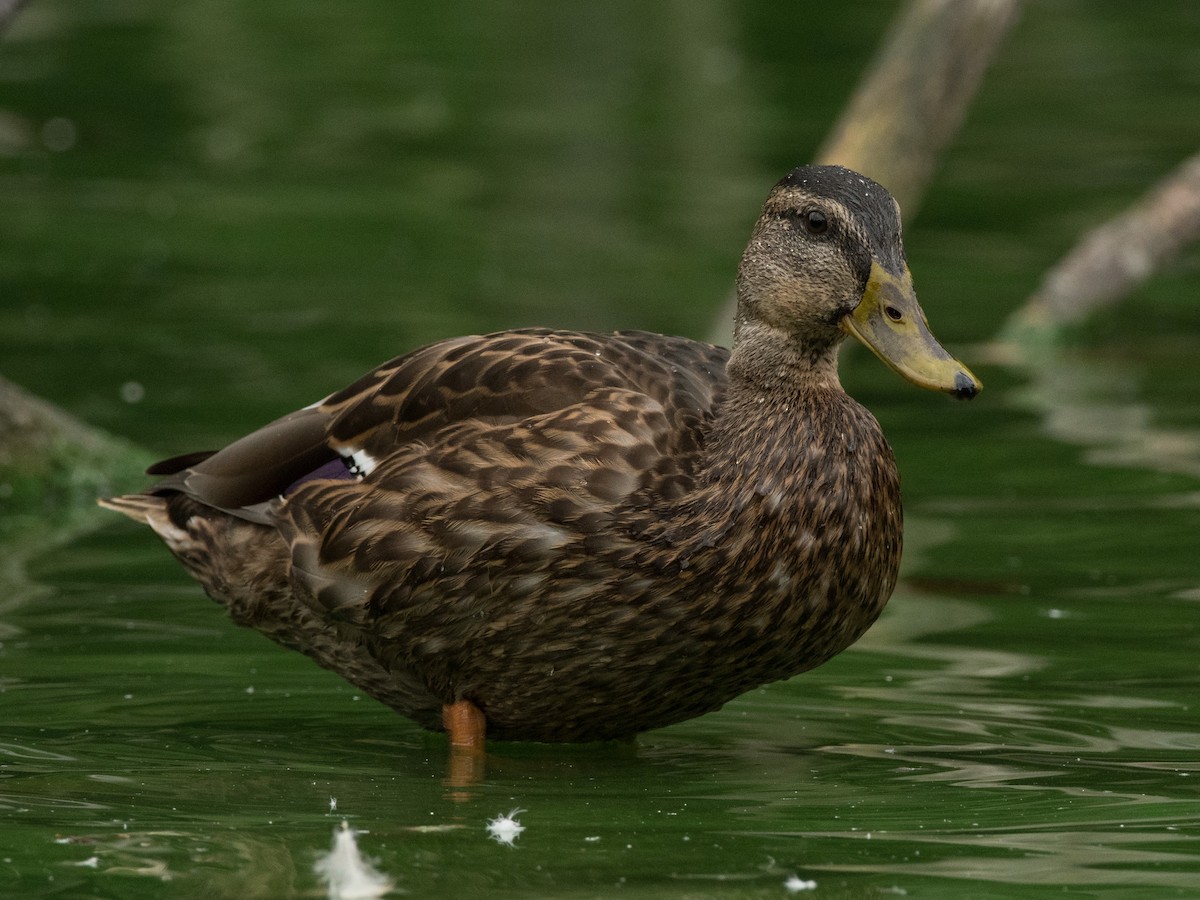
51,464
8,9
915,95
1113,259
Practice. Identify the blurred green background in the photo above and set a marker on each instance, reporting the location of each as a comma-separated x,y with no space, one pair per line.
214,212
258,201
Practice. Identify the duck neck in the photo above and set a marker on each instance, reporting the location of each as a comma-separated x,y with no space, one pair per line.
769,364
777,391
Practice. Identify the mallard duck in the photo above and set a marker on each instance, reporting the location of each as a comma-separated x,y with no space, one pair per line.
551,535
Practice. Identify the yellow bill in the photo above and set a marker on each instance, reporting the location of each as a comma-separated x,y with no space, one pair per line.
890,321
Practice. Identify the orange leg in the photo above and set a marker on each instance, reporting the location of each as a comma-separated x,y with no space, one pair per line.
465,724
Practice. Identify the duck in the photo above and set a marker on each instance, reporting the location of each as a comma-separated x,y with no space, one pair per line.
568,536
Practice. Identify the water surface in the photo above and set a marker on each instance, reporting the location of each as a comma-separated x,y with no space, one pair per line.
214,213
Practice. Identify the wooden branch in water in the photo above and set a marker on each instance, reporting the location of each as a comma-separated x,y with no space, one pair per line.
50,460
915,95
1113,259
8,9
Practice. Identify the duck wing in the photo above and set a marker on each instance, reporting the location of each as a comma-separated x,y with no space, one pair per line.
437,395
522,453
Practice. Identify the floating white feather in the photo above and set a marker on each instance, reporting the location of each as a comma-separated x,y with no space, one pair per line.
346,873
504,828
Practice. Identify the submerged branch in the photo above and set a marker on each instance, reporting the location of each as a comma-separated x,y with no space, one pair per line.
1112,260
8,9
915,95
53,466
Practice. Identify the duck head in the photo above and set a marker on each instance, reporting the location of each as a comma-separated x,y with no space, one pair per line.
826,260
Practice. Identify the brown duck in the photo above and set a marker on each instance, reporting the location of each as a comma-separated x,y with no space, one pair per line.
567,536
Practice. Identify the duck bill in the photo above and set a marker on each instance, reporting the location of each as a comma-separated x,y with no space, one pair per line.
889,320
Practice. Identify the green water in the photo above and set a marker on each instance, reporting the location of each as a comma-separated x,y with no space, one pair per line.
211,213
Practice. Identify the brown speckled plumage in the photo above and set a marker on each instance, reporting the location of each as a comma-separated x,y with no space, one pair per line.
585,535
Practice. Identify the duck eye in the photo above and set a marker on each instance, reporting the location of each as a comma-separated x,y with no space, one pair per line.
814,221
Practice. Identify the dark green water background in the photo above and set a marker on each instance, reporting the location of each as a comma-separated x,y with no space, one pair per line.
213,212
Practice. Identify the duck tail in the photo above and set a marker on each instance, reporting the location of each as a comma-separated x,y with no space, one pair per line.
138,507
151,510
